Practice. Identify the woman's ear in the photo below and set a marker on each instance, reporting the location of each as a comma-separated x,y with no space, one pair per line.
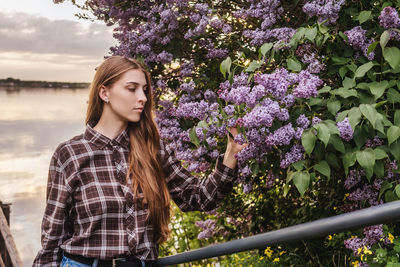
103,93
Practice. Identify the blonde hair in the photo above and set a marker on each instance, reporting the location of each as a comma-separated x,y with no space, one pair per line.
145,168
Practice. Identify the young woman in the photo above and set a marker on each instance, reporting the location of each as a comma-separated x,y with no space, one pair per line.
109,189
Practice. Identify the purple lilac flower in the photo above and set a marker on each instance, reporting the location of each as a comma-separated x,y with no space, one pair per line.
240,139
192,110
246,153
357,39
187,69
210,96
354,244
247,188
308,84
353,178
295,154
270,179
302,121
281,136
208,227
229,110
314,66
373,234
345,130
389,18
324,9
188,87
245,171
315,120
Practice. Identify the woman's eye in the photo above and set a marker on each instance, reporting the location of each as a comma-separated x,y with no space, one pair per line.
132,88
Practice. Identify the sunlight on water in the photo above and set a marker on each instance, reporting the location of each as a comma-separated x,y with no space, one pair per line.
32,123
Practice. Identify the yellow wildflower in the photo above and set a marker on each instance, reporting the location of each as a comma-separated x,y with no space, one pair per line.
280,253
367,251
359,250
355,263
390,237
268,251
261,258
329,237
334,208
345,196
276,260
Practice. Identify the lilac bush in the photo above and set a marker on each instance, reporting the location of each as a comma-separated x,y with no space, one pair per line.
307,86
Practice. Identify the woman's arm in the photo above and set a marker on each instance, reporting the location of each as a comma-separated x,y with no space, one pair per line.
54,222
191,193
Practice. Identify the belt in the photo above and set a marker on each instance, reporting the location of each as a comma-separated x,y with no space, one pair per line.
119,262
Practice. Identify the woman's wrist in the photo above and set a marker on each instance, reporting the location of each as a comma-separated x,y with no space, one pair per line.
229,159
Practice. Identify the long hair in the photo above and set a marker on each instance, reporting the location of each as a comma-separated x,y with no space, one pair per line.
145,170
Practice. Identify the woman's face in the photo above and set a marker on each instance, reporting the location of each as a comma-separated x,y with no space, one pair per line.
127,96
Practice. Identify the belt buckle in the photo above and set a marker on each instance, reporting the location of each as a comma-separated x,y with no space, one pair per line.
114,261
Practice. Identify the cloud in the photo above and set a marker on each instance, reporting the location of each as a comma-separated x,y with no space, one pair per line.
22,32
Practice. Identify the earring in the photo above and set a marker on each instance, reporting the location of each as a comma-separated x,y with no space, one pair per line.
106,100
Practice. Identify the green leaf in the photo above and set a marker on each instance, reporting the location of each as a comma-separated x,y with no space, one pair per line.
349,160
339,60
379,169
253,66
354,116
265,48
393,96
308,141
310,34
393,134
293,65
380,154
372,47
395,150
334,106
333,129
323,133
193,137
301,180
369,112
397,190
378,88
390,196
385,37
397,117
225,66
366,158
324,89
337,143
364,16
345,93
323,168
392,56
360,72
384,187
348,83
342,71
299,165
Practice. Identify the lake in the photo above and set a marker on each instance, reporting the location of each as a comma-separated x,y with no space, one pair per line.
32,124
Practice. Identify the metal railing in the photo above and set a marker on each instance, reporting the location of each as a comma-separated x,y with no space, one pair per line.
384,213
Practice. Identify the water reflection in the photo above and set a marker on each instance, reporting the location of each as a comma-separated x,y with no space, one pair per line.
32,123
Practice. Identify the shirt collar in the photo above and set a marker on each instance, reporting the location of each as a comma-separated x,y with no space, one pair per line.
101,140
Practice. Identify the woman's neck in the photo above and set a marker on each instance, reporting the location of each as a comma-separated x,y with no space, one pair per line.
110,127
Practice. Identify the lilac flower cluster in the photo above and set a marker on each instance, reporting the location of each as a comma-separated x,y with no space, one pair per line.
269,11
374,142
353,178
373,234
281,35
324,9
302,121
307,85
357,39
314,65
389,19
345,130
295,154
209,228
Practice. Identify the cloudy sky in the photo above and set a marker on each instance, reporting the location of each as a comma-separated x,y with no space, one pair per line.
40,40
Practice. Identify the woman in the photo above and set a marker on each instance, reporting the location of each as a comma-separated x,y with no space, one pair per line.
109,189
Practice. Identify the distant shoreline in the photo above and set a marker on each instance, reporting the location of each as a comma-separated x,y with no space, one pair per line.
11,83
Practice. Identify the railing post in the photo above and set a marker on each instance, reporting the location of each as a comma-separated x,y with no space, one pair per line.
8,250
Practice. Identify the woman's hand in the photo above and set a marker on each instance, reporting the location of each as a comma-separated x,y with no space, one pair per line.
232,149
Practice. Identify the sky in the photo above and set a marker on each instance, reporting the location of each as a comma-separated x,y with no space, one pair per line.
40,40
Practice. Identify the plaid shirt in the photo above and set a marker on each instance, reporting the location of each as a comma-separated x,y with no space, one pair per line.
90,211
